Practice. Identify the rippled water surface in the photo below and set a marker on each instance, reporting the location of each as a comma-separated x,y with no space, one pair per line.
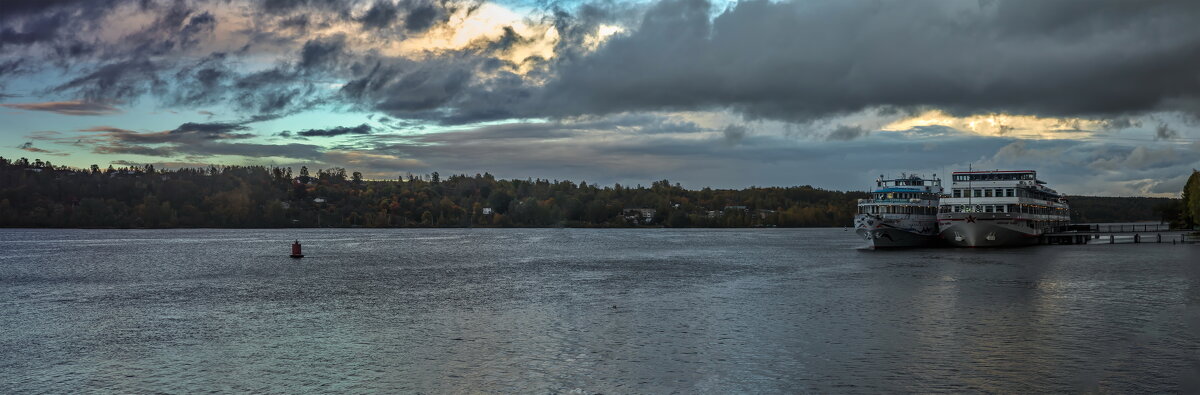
591,311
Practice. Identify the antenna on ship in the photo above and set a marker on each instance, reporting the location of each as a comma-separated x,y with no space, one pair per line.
971,191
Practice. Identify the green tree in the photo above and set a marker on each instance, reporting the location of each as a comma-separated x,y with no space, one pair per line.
1191,200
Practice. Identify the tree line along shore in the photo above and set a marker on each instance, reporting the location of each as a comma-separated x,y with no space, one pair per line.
40,194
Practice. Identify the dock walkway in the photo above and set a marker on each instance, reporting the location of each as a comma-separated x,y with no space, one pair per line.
1081,234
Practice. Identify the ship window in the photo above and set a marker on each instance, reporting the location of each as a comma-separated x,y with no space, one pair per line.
1009,192
987,193
957,193
977,193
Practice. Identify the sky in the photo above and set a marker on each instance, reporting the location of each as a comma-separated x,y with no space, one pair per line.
1101,97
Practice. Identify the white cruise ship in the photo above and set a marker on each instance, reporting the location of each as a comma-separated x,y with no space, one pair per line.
1000,208
901,212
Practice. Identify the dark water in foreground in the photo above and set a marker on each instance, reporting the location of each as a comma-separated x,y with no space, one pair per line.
571,310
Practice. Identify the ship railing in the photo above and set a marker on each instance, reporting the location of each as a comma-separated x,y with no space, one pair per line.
1122,228
868,201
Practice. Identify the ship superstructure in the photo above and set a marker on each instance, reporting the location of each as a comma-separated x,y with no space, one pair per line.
902,212
999,208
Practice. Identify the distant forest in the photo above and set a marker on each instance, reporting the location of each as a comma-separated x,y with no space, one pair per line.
39,194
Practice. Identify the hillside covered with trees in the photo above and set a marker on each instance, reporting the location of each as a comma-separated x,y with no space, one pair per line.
39,194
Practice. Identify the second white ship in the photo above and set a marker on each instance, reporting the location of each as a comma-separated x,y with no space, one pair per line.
1000,208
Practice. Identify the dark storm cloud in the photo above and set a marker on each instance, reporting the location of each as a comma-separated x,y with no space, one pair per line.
789,60
210,129
421,18
203,83
17,8
155,61
280,89
845,132
321,52
425,90
107,139
117,81
297,151
196,26
380,15
298,22
1164,132
36,29
336,131
67,107
9,67
282,6
801,60
734,134
192,139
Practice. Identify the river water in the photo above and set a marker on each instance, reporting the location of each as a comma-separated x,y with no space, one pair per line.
587,311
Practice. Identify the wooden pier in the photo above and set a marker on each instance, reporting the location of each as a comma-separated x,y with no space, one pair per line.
1141,233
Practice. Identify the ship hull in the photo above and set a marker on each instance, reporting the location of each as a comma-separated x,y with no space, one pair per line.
883,232
981,231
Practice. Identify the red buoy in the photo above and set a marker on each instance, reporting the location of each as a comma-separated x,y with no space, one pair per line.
296,250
